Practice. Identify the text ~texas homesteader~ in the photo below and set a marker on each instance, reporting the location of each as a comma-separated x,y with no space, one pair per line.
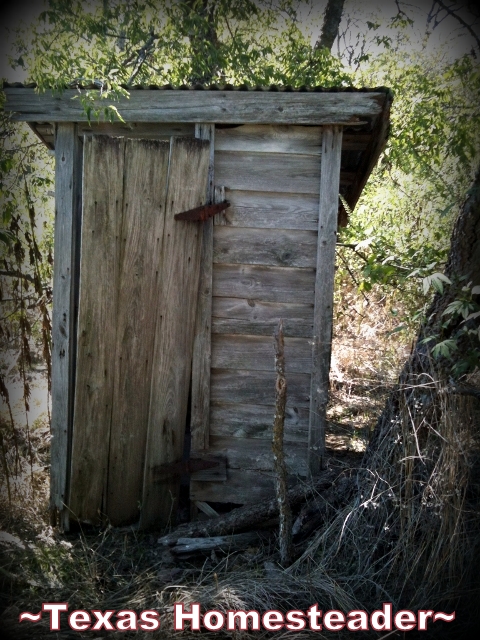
314,619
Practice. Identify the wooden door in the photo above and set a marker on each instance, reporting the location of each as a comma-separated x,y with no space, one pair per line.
138,295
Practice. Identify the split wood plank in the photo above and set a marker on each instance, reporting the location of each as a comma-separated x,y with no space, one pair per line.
268,138
68,181
233,107
232,419
180,269
260,209
269,284
324,284
255,353
201,361
256,317
139,291
257,387
271,247
257,455
100,260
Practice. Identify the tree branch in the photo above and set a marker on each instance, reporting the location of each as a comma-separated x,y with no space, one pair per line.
460,20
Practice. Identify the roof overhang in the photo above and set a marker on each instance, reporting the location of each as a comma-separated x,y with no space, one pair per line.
364,114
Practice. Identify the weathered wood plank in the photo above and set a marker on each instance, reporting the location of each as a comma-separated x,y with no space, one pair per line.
257,454
245,170
271,247
141,240
68,193
270,139
293,328
180,269
323,314
242,487
201,361
205,106
263,210
255,421
269,284
100,259
256,317
252,171
144,130
257,387
256,353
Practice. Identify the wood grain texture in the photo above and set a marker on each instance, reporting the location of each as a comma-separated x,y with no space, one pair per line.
201,361
255,421
146,131
68,180
261,209
257,387
139,291
100,260
271,247
323,314
241,487
180,269
256,317
269,284
256,353
269,138
245,170
253,171
257,455
231,107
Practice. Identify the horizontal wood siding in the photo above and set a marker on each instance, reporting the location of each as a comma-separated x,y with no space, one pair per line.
275,247
269,210
264,259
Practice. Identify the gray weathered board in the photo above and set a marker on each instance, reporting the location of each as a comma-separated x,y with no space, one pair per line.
267,265
262,107
138,293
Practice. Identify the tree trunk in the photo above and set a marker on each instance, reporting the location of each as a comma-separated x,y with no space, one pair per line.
331,24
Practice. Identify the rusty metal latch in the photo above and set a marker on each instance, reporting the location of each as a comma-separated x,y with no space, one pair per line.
202,213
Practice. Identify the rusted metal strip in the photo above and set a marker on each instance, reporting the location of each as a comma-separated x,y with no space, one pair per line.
202,213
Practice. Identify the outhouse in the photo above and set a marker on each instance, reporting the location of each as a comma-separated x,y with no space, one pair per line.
163,356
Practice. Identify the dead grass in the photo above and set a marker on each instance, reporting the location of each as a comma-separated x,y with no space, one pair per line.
408,535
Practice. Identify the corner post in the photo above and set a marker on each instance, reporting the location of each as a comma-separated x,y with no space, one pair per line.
68,203
324,283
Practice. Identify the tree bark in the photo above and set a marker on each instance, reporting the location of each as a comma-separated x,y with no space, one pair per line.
331,24
463,261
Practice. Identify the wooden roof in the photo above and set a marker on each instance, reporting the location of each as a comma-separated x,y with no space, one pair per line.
363,114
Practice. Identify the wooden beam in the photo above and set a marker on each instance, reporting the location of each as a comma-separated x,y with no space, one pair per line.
68,195
248,107
324,280
201,360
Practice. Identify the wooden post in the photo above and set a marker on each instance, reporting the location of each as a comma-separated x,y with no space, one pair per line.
68,194
202,351
323,313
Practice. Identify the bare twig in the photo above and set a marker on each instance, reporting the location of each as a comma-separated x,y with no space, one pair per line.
285,513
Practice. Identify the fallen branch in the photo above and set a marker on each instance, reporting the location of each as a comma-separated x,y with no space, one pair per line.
250,515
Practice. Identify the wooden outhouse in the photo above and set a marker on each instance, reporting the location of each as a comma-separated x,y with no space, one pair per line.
163,357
